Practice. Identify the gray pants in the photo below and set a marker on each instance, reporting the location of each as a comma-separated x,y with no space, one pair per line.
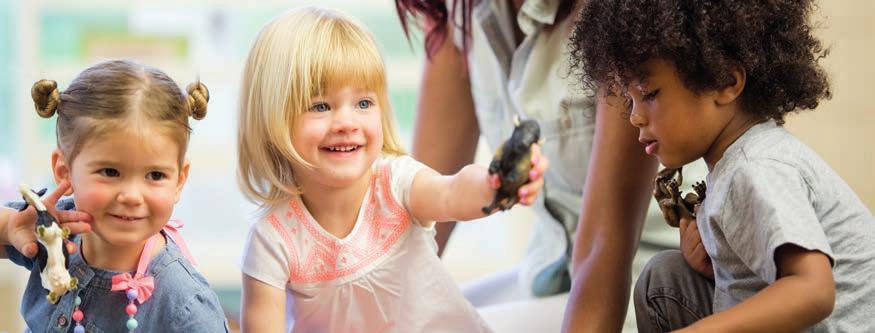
669,295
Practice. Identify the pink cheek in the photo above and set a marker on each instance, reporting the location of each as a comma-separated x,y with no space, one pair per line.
162,204
91,201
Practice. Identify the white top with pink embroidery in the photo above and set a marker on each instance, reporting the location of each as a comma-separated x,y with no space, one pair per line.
385,276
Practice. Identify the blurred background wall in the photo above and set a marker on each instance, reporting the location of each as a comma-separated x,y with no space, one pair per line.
209,40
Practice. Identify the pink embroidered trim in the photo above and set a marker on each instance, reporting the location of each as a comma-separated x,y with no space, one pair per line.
278,226
382,225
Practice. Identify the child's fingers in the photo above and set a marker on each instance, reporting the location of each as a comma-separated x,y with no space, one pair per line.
699,252
709,269
78,227
28,250
688,232
539,169
536,153
691,233
72,216
683,225
21,231
494,181
692,228
535,173
529,191
702,261
24,242
52,198
543,164
540,163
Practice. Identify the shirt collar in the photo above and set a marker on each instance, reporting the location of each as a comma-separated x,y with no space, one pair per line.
739,144
537,12
101,278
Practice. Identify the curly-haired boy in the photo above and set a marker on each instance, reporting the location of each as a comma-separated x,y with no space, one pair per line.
792,246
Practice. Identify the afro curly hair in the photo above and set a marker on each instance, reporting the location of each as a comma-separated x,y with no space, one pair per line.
771,40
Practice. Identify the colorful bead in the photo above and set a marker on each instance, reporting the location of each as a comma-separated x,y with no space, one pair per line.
77,315
71,247
132,324
132,294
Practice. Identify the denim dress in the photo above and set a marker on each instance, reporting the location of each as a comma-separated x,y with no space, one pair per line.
181,302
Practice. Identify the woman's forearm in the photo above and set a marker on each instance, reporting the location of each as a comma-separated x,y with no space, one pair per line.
615,200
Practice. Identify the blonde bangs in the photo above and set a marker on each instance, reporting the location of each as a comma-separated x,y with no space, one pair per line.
343,56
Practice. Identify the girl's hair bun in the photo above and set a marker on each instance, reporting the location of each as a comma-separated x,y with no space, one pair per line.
198,96
46,97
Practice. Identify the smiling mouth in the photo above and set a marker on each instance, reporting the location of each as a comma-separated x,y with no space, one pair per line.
127,218
342,149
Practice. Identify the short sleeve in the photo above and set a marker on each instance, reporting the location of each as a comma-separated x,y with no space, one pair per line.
201,313
265,257
404,169
769,205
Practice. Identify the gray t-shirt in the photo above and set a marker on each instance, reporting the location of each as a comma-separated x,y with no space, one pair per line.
769,189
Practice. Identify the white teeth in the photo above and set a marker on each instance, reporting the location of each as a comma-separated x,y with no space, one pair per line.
342,148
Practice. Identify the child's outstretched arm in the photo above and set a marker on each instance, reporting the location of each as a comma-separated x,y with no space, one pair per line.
803,295
263,308
461,197
17,228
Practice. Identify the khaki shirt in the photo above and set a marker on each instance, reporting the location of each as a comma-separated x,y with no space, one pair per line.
532,80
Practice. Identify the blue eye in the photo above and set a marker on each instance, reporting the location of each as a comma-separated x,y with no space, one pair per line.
108,172
320,107
364,104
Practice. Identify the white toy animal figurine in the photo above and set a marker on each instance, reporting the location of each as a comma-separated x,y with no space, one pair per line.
52,256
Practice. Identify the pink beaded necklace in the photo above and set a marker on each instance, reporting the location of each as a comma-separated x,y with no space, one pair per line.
137,288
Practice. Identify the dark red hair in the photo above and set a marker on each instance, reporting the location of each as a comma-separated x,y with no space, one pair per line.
435,16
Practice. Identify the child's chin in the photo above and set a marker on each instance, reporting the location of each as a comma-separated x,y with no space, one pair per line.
670,163
123,239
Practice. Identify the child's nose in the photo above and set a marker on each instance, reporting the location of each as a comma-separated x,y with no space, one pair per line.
637,119
130,195
344,121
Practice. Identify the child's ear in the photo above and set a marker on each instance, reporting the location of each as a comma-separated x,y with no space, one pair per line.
180,183
731,92
61,170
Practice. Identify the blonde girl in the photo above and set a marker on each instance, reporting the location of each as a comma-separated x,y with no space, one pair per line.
346,239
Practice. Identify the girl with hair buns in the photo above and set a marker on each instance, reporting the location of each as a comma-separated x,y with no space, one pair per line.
122,133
